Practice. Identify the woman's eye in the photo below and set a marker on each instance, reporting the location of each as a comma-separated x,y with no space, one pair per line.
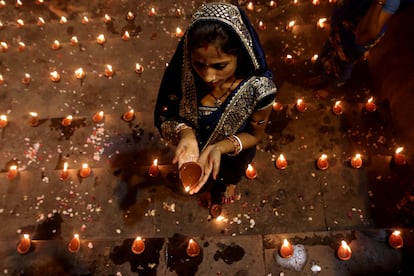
219,66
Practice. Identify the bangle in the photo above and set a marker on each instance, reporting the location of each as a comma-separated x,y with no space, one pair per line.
180,127
238,146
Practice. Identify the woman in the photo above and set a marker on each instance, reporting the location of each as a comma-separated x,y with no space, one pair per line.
215,98
356,26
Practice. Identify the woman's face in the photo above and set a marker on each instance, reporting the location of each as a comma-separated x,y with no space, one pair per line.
212,65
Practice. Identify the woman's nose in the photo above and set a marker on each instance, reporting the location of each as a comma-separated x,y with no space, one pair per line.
209,75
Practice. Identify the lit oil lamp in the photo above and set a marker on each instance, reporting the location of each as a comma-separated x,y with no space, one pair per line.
64,174
67,121
289,26
314,58
344,251
98,117
19,4
56,45
179,33
130,16
129,115
178,12
215,211
370,105
2,4
85,171
193,249
74,41
21,46
12,173
272,4
395,239
337,108
322,162
138,246
189,173
101,39
85,20
74,244
126,36
277,106
107,18
19,23
288,59
139,68
251,172
250,6
316,2
286,250
281,162
1,79
40,21
321,23
109,71
356,161
24,244
26,79
39,2
301,106
34,119
54,76
295,2
63,20
4,47
399,157
3,121
261,26
154,170
152,12
79,73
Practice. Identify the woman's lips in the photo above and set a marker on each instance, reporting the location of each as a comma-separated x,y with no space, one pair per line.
213,84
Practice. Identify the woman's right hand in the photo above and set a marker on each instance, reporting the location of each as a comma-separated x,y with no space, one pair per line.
187,148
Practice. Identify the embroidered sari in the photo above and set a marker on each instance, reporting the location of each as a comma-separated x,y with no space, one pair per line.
179,99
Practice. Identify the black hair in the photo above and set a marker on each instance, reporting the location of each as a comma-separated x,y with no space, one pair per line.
220,35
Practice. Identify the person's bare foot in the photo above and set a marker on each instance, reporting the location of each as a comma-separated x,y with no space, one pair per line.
230,195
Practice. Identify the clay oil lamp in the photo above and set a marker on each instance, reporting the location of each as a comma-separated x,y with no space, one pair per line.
286,250
322,162
251,172
74,244
344,251
98,117
395,239
356,161
190,174
281,162
193,249
24,244
85,171
138,246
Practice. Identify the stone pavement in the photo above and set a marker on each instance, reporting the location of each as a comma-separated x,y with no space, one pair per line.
314,209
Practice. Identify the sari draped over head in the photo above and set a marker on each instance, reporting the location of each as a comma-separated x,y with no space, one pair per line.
178,100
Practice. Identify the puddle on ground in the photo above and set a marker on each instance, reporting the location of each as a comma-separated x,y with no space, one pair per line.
229,253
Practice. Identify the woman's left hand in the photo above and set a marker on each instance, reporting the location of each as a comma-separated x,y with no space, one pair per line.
209,161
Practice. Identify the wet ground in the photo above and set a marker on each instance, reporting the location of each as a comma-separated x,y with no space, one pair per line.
314,209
